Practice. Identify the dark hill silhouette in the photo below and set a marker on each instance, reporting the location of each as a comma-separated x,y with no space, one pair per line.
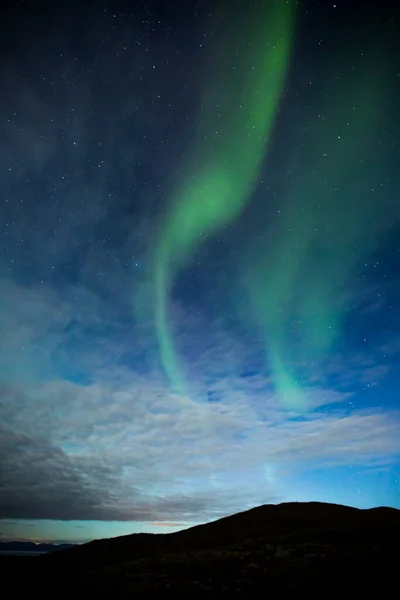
270,521
291,548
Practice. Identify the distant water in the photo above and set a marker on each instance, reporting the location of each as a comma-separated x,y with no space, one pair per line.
21,553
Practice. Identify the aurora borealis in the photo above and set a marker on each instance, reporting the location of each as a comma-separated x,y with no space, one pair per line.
333,213
238,111
200,262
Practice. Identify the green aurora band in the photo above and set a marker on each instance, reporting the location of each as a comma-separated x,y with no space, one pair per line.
337,202
246,76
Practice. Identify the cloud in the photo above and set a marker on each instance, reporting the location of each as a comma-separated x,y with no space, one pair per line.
117,445
137,453
90,431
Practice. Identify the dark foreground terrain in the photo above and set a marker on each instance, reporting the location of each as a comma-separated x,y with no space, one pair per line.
273,551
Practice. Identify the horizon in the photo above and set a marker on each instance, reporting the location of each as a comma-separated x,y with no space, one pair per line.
178,528
199,264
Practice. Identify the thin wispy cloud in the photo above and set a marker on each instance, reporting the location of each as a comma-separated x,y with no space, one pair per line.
121,446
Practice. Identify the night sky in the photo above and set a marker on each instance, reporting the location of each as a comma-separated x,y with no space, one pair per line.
200,261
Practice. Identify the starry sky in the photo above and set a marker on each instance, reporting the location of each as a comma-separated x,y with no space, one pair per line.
199,264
